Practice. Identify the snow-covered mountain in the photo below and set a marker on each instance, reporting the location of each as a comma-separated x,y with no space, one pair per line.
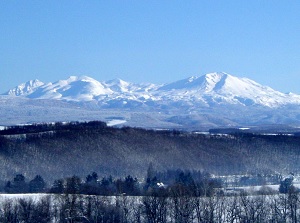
74,88
223,88
213,88
214,98
25,88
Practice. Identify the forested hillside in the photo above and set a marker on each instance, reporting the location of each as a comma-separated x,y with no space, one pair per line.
60,150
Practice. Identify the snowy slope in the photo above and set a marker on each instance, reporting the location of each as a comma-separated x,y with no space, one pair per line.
74,88
25,89
211,100
209,89
222,88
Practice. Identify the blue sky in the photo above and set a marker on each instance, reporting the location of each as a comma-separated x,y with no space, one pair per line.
150,41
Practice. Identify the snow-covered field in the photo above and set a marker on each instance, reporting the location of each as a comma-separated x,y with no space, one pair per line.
34,197
115,122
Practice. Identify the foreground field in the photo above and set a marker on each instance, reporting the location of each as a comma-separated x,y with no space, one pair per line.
43,208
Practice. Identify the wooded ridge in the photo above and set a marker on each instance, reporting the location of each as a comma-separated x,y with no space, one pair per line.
59,150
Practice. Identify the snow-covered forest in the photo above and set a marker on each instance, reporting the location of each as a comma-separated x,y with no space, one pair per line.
61,150
90,172
160,209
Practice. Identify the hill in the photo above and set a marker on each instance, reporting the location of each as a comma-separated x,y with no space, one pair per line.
59,150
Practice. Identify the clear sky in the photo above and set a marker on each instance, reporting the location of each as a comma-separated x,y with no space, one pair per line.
150,41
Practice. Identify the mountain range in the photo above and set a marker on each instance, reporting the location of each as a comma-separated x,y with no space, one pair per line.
195,103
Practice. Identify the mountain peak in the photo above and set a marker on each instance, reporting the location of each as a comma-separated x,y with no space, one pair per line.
212,99
25,88
206,82
209,89
80,78
118,85
217,75
117,81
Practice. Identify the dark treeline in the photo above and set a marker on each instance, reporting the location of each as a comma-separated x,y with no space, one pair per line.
169,183
110,200
46,127
58,150
124,200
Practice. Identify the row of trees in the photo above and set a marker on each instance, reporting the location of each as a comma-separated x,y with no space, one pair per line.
169,183
19,185
67,208
46,127
177,183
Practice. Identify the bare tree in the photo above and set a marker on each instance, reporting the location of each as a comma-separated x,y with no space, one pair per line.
182,209
233,211
155,208
9,212
293,200
253,208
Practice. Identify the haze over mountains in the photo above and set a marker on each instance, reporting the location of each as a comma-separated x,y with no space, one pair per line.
209,101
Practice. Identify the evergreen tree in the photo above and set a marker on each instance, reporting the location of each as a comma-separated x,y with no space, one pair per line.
107,186
73,185
37,185
19,185
150,180
8,188
131,186
57,187
92,178
286,185
91,185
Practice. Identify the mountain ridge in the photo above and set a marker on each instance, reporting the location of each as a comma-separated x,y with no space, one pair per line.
198,102
218,87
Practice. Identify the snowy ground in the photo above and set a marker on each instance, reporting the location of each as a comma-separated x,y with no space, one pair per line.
34,197
250,189
115,122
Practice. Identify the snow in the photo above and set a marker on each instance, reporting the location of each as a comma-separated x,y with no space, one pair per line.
274,187
244,128
15,197
118,85
115,122
25,88
216,88
276,134
252,188
209,89
192,97
74,88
